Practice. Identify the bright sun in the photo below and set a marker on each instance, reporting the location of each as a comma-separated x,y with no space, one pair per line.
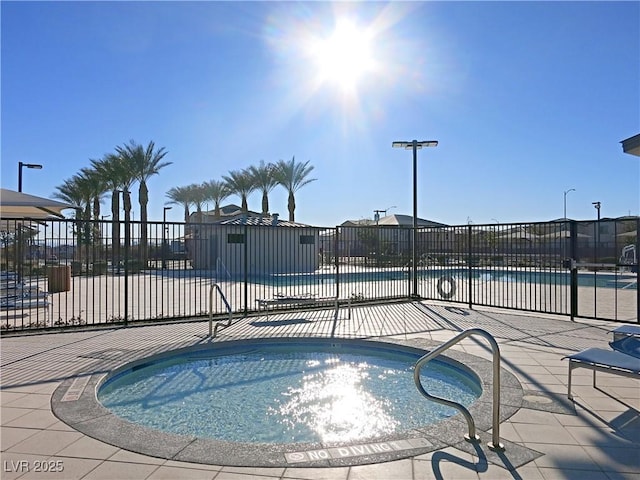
345,57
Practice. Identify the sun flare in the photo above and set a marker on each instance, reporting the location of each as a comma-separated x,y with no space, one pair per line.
345,57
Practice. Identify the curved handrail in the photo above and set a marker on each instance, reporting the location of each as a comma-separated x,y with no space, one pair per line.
472,436
212,330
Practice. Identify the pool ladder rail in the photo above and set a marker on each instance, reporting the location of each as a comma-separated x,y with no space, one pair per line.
472,436
214,330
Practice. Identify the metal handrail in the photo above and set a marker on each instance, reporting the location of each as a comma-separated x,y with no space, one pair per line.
213,331
472,436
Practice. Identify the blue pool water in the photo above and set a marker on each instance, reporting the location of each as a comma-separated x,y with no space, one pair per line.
601,280
289,392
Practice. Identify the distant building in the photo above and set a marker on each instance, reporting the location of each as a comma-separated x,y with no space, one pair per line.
389,235
237,243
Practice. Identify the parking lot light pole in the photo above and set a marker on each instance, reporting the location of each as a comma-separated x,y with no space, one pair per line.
415,145
597,206
27,165
565,201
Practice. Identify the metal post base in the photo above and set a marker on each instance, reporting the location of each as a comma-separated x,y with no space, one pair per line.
496,448
471,439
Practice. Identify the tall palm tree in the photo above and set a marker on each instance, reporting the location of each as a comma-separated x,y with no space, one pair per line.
293,176
115,171
97,187
181,196
240,182
215,191
264,180
74,192
144,163
198,198
78,190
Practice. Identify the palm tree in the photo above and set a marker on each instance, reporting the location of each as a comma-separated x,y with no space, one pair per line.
97,187
240,182
293,176
215,191
198,197
265,181
144,163
75,192
181,196
78,190
117,175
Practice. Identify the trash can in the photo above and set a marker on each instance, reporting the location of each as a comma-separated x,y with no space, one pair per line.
59,278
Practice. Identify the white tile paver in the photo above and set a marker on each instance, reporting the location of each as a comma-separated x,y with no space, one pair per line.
599,441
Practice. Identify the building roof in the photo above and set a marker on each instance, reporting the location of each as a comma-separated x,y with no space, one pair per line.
363,222
232,214
632,145
225,211
407,221
257,220
393,220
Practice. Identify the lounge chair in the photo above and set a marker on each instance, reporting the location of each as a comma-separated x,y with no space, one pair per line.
626,331
280,300
623,359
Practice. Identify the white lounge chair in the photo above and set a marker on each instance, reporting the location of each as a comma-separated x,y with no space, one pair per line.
623,359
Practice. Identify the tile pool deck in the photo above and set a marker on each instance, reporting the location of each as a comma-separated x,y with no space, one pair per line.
598,437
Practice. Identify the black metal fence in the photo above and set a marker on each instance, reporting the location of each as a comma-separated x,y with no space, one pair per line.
61,273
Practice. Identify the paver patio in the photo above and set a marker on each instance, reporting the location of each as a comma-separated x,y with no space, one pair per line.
598,437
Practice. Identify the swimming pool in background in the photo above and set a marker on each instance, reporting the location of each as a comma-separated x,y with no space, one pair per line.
560,278
289,391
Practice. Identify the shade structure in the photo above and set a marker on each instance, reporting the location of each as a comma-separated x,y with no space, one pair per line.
22,205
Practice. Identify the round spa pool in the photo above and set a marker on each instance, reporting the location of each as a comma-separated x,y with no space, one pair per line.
286,391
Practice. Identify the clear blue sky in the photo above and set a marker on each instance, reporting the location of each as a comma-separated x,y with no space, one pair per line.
527,100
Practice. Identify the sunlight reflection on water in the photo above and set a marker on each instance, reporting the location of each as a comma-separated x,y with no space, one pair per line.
336,406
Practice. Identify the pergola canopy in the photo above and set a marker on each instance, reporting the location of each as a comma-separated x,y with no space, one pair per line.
632,145
22,205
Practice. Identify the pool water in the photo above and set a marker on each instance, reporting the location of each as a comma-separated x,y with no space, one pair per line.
286,393
544,277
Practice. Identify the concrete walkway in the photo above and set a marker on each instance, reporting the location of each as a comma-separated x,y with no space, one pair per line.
598,437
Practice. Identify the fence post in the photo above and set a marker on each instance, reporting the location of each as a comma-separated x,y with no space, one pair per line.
637,259
127,240
246,269
469,267
335,259
573,248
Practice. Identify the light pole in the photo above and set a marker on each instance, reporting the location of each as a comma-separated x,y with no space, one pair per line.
597,206
376,216
164,221
376,213
565,201
28,165
415,145
563,237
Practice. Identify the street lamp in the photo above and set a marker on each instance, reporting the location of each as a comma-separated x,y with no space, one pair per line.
415,145
164,221
565,201
376,213
597,206
28,165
